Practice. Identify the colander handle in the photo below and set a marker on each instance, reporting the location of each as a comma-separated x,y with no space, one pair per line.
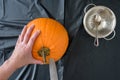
114,33
85,9
96,42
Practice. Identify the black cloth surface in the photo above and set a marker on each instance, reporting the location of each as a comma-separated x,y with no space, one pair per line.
82,61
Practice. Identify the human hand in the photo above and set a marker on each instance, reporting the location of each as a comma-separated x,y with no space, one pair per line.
22,54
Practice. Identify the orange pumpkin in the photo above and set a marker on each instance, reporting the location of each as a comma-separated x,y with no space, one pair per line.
52,41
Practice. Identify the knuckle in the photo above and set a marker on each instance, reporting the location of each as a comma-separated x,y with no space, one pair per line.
32,39
27,34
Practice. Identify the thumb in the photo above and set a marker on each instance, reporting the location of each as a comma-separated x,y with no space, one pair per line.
37,62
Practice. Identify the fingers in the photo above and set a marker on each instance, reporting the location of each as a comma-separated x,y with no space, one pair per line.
21,37
18,41
27,34
33,38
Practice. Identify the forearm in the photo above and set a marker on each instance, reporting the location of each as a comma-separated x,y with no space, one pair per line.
7,69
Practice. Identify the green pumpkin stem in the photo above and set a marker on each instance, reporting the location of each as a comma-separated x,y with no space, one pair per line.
43,52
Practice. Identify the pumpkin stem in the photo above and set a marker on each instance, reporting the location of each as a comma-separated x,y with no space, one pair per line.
43,52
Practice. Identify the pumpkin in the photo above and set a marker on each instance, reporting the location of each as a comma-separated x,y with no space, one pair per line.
52,41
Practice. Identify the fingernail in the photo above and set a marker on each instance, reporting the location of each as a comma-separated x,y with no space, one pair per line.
38,31
32,26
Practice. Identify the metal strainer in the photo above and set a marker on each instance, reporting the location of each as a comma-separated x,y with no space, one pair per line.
99,22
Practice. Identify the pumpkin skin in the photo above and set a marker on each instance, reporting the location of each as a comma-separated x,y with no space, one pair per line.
53,36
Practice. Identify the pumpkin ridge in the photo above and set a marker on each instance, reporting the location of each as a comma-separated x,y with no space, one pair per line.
52,36
48,40
45,33
42,33
44,37
56,41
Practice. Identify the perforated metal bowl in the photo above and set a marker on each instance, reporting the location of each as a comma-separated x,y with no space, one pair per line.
99,21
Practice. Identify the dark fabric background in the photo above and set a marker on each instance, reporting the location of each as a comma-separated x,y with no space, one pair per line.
14,14
82,61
